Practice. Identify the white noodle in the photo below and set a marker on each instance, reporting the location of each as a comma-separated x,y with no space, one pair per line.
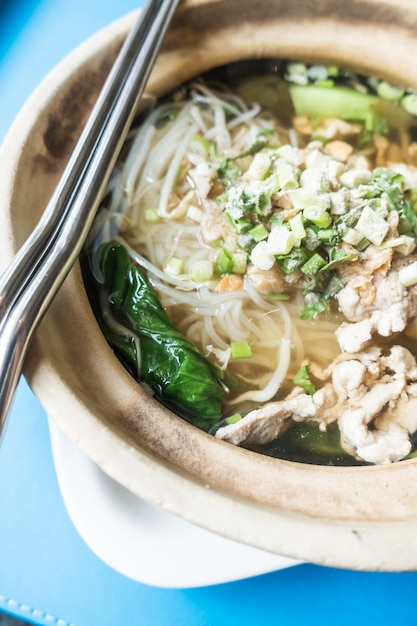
275,382
210,319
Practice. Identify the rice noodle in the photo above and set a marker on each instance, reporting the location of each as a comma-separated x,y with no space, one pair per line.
158,156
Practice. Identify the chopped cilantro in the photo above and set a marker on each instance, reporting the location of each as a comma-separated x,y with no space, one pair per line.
313,309
337,256
293,260
302,379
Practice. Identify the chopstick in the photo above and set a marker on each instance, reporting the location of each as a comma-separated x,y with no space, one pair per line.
31,281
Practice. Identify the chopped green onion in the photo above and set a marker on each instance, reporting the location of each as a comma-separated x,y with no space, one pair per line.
317,73
394,242
240,225
352,236
289,153
287,175
300,198
313,265
409,104
372,226
240,263
244,241
339,201
202,271
311,241
201,144
332,70
297,226
261,258
240,350
317,215
152,215
175,266
263,204
312,179
387,178
386,91
326,234
362,245
232,419
259,167
355,177
295,67
281,240
294,260
317,159
224,261
259,232
272,297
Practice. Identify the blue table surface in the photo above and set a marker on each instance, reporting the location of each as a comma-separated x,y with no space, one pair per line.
47,574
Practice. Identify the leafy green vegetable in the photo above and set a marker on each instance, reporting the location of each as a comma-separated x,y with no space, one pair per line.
323,102
315,306
302,379
169,364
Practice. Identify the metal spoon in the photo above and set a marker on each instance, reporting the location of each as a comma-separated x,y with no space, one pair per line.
29,284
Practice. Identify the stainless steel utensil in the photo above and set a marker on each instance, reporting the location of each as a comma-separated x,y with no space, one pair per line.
30,283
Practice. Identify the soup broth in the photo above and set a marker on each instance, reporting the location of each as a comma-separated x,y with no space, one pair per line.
253,262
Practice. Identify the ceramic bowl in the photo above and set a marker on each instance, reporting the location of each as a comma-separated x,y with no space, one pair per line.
357,517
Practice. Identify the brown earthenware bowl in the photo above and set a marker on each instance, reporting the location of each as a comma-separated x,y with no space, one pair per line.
358,517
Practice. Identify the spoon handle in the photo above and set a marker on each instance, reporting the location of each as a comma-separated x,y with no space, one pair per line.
31,281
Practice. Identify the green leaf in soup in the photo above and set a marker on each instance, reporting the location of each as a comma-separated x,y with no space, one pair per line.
169,364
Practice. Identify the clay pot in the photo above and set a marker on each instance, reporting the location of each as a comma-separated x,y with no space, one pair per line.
358,517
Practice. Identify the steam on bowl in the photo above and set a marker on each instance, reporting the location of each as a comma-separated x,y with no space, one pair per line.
358,517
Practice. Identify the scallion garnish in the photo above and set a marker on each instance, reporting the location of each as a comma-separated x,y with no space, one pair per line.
240,350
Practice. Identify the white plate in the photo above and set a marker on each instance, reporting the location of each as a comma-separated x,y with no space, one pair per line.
141,541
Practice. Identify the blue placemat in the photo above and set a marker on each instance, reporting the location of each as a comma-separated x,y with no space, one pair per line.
48,575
